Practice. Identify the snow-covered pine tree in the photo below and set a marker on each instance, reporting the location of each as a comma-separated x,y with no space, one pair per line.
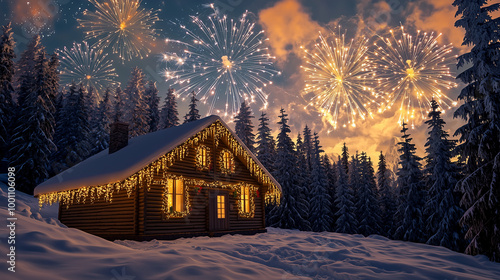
355,179
265,143
193,114
136,107
290,212
442,208
480,147
32,143
100,127
25,73
169,113
118,105
411,193
303,180
73,145
387,196
7,105
54,77
152,99
244,127
308,148
331,175
345,158
320,204
344,202
367,203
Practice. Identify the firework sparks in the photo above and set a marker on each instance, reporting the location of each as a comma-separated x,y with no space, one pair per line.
339,75
223,61
414,70
88,66
121,25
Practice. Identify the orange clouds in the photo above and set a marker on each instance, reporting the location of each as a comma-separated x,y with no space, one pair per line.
34,15
288,25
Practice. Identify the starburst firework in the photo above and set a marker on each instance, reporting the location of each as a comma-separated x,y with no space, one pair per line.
413,70
88,66
122,25
340,77
223,61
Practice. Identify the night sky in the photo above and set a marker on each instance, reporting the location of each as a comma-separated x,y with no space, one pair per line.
288,24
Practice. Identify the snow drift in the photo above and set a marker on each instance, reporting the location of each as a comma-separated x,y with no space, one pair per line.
46,249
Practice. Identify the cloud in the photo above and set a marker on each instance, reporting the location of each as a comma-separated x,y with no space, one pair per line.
35,16
288,25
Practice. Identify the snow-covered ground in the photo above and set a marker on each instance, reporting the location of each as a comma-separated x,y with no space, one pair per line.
46,249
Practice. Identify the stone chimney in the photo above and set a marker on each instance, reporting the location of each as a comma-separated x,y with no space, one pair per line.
118,136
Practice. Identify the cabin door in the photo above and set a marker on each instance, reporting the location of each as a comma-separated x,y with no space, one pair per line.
218,210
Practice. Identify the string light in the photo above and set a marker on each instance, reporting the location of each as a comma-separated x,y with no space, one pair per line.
144,177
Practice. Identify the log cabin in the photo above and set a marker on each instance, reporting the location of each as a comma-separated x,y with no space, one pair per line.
196,179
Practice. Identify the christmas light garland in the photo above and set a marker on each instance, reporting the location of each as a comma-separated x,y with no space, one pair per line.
144,177
203,164
229,169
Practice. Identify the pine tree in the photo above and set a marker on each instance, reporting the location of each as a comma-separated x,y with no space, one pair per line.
411,193
346,221
118,105
345,158
100,128
193,113
265,143
152,99
7,105
290,213
73,145
331,175
25,70
321,204
387,197
308,148
442,175
367,204
136,108
480,147
303,181
244,127
169,113
32,138
355,178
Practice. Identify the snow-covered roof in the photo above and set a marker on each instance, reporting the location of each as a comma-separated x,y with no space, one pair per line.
104,168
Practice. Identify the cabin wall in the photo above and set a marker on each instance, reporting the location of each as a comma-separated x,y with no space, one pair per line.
101,217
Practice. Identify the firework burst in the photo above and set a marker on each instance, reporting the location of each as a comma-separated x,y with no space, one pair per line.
223,61
413,70
340,77
122,25
88,66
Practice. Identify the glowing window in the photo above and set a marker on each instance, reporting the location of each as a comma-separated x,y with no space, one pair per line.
227,162
175,195
203,157
245,199
221,207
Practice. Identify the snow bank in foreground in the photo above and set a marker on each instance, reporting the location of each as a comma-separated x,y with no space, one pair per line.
48,250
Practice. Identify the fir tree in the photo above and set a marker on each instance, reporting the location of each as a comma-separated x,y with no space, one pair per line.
265,143
136,108
303,181
321,205
193,113
331,174
345,158
411,192
25,70
32,138
169,114
367,205
346,221
73,145
290,213
480,147
118,105
7,105
153,100
244,127
442,207
101,126
308,148
387,197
